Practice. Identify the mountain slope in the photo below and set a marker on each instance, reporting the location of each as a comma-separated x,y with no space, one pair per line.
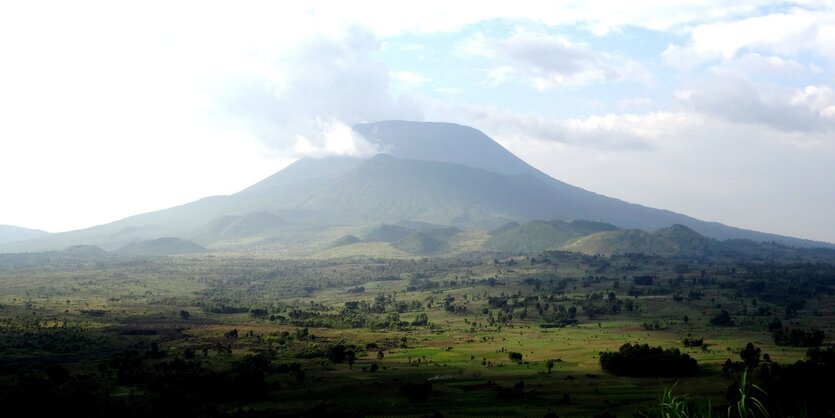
444,142
162,246
9,233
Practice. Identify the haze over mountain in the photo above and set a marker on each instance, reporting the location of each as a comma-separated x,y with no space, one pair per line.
9,233
428,174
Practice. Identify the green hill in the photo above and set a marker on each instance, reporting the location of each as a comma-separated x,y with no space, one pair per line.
677,240
85,250
541,235
420,243
162,246
345,240
385,233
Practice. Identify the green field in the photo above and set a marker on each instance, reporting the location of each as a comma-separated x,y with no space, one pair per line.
169,312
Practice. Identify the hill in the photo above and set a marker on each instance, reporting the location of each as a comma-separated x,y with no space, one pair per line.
345,240
162,246
85,251
677,240
420,243
541,235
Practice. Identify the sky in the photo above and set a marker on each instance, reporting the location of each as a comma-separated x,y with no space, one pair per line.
724,111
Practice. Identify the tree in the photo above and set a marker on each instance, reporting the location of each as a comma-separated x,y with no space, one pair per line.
380,354
549,365
421,319
645,361
722,319
750,356
184,314
350,358
337,353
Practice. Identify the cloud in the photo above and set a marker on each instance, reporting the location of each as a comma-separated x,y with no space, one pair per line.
730,98
547,61
386,18
308,91
411,78
787,34
335,138
611,132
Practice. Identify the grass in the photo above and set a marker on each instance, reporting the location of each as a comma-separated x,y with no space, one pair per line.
465,365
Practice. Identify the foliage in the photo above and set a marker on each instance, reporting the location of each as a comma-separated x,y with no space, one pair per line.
798,337
645,361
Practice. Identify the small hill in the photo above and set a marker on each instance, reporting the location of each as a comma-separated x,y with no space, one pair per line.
437,231
85,251
346,240
386,233
420,243
162,246
9,233
504,228
541,235
677,240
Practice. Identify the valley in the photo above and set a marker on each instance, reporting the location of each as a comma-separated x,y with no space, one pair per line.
228,334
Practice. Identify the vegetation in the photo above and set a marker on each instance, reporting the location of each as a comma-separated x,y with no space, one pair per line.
92,334
645,361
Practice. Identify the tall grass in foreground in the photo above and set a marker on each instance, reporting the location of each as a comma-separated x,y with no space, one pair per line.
748,405
679,406
683,406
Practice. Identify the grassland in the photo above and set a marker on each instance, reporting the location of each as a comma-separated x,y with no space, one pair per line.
82,312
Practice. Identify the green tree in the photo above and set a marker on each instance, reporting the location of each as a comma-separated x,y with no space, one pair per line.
750,356
350,358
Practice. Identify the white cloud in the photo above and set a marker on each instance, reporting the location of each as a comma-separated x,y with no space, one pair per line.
547,61
338,139
609,132
739,101
411,78
761,66
786,34
818,99
388,18
332,78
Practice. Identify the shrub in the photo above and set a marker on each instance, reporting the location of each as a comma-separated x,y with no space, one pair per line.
645,361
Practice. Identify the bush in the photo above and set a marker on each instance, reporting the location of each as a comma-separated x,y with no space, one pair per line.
798,337
722,319
645,361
